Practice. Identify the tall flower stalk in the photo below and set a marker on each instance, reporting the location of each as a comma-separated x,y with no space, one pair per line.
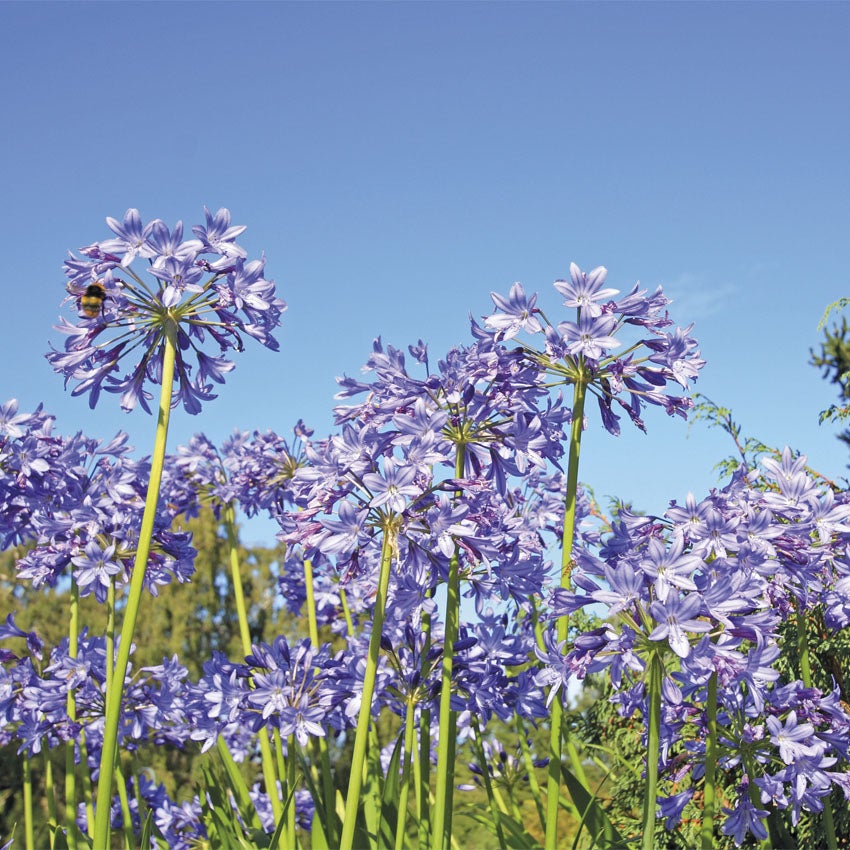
443,797
321,744
709,784
70,746
589,354
115,693
266,754
364,718
160,321
655,675
553,785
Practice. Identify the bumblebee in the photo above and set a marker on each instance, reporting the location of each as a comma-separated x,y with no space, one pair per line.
91,303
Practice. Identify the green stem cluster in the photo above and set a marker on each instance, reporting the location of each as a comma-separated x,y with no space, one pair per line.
653,749
266,755
709,789
443,796
355,782
321,742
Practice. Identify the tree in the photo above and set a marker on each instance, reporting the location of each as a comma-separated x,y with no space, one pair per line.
834,360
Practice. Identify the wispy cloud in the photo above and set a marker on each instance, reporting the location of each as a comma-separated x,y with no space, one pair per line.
696,297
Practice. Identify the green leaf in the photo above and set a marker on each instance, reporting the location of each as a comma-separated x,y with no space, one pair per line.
238,786
60,839
219,818
318,835
514,832
274,842
604,834
389,798
146,831
840,304
370,793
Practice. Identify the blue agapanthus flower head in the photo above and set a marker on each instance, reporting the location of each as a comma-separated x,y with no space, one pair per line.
619,348
131,290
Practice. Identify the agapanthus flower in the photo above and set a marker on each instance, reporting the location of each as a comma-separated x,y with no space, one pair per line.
594,350
80,502
201,290
584,291
677,616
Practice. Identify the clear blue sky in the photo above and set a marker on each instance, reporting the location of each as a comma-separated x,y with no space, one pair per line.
397,162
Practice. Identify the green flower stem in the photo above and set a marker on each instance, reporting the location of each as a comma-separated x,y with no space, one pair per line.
126,817
229,518
134,597
346,612
532,773
352,800
372,782
653,748
29,831
110,640
290,791
404,790
266,756
496,804
322,743
422,778
803,647
50,794
537,626
451,761
753,792
553,786
87,795
71,708
500,802
312,624
709,789
278,753
806,676
443,794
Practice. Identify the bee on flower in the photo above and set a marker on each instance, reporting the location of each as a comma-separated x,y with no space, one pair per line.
146,285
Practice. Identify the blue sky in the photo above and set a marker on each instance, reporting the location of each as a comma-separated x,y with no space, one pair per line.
398,162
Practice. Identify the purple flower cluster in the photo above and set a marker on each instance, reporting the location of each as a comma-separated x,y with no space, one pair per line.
590,351
34,702
80,503
296,690
456,461
251,470
396,459
708,587
201,287
430,470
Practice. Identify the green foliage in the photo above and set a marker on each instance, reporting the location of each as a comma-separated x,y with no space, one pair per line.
229,814
616,743
834,361
749,449
840,304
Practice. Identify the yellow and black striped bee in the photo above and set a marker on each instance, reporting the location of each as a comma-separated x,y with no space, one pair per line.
91,303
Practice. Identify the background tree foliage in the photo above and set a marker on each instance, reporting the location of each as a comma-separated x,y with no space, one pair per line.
833,360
